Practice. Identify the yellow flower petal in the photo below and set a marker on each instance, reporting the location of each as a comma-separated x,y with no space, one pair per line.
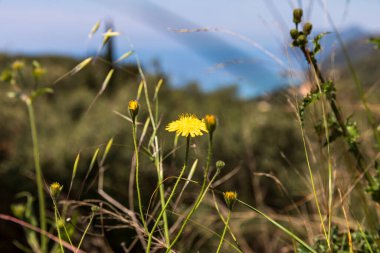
187,124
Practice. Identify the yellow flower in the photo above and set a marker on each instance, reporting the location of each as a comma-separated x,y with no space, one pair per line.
187,124
230,198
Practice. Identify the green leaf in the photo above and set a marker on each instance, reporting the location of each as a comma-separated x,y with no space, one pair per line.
75,167
316,42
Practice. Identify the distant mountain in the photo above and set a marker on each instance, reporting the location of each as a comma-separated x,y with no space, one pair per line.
355,40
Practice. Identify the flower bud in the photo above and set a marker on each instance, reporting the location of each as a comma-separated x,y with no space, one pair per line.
297,15
220,164
307,27
95,208
230,199
294,34
210,121
301,40
55,189
133,107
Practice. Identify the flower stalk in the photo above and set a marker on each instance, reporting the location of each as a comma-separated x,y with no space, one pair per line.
39,176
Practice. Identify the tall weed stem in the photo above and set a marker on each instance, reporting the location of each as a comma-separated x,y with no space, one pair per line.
39,176
163,210
224,232
200,196
137,175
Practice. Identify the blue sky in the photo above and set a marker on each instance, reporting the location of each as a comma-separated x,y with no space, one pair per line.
61,27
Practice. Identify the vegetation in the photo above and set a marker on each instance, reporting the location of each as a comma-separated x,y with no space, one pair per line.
118,160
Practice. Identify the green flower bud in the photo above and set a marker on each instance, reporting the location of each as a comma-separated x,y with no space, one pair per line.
294,34
297,15
95,209
307,27
220,164
301,40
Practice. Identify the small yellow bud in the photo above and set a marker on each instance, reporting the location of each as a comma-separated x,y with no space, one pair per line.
210,121
230,199
297,15
55,189
18,65
133,107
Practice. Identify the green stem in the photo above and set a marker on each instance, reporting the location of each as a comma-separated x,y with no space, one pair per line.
201,195
170,196
85,232
278,225
36,155
313,187
162,199
224,232
137,175
58,228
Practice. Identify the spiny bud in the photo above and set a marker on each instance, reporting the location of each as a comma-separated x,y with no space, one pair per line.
297,15
294,34
307,27
133,107
220,164
55,189
230,198
210,121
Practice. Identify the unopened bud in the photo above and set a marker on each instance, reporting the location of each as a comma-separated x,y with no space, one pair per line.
301,40
297,16
133,107
294,34
210,121
220,164
230,199
307,27
55,189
